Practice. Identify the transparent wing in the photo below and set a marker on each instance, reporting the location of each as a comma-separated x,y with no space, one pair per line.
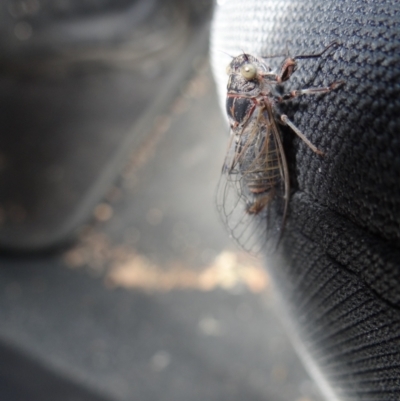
253,190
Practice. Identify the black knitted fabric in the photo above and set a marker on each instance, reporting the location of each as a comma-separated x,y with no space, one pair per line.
339,266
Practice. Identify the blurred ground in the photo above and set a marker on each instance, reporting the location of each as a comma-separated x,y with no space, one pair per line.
154,302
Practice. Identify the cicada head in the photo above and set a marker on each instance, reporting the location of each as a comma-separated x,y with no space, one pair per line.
245,75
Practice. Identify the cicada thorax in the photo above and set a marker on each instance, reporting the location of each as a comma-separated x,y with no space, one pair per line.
242,94
239,110
240,104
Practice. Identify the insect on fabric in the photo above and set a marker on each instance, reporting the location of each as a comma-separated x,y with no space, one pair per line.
253,191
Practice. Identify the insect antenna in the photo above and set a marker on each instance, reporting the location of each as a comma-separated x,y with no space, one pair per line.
226,54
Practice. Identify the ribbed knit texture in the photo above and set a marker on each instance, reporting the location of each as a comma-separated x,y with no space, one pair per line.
339,268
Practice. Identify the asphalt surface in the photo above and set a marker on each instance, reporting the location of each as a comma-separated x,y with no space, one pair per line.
153,302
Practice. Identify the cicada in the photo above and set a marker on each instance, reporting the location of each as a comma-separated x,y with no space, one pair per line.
254,189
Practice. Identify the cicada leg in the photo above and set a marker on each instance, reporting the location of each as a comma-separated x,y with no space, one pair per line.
287,122
300,92
289,65
310,91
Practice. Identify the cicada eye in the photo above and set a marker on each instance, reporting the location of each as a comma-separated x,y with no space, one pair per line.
248,70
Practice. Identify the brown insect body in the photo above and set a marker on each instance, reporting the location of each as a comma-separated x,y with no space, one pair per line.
255,178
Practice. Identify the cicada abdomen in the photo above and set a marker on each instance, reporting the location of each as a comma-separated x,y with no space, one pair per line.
252,197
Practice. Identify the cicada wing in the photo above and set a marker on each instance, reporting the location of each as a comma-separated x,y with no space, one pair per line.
231,204
254,220
276,212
